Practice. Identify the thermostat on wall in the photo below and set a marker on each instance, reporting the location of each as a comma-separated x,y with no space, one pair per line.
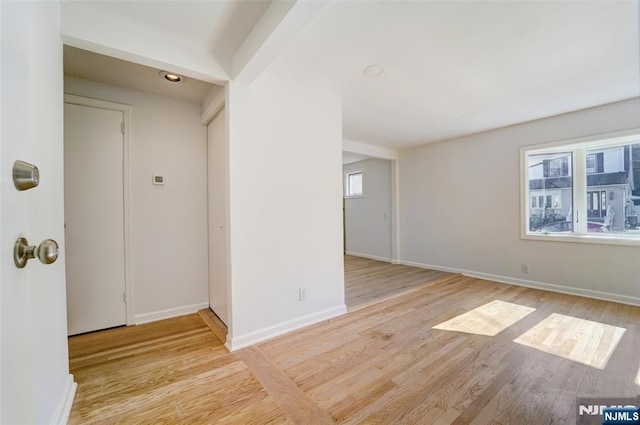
158,179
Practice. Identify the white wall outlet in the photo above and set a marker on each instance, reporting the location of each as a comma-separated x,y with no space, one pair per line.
525,268
302,294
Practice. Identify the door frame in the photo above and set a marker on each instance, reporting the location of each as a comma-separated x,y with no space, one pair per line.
126,189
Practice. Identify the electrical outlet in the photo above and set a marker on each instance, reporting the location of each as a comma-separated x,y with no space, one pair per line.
302,294
525,268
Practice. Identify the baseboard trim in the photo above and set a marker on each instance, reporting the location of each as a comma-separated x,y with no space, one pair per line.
370,257
169,313
242,341
433,267
63,410
552,287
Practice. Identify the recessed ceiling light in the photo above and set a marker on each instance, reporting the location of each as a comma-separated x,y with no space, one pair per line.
374,70
469,115
172,77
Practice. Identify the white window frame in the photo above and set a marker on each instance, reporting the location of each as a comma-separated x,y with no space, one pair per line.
347,174
578,146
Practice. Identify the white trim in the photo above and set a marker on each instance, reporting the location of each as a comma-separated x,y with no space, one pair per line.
552,287
63,409
591,238
600,140
170,312
237,342
370,257
212,106
395,211
432,267
369,150
126,189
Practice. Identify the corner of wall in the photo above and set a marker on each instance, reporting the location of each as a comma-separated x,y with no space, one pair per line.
241,341
63,409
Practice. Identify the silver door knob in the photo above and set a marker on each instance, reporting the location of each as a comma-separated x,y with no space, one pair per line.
46,252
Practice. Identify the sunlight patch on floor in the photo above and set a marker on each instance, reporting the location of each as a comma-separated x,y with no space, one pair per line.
583,341
489,319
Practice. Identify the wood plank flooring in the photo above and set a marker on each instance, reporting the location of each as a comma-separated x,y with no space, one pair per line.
174,371
369,281
384,363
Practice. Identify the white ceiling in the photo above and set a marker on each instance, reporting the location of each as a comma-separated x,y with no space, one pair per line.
216,26
104,69
505,61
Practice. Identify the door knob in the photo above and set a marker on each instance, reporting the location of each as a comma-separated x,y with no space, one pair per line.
47,252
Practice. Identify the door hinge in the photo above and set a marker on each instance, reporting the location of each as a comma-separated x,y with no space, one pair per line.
122,127
124,297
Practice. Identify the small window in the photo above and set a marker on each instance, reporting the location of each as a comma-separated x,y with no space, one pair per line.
353,184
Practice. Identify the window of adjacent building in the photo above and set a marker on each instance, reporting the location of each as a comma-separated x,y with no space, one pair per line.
588,187
556,166
353,184
595,162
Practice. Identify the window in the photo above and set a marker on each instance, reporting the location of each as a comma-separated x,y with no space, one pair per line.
583,190
353,184
549,177
556,167
595,163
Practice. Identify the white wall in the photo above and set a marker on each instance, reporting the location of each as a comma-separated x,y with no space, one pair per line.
35,383
368,218
169,222
459,203
285,213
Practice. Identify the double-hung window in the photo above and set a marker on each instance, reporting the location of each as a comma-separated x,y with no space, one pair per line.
584,190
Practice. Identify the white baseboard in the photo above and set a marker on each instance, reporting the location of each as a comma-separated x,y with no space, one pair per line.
370,257
61,414
169,313
432,267
569,290
242,341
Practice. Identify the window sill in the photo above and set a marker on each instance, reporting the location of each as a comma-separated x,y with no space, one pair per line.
354,197
601,239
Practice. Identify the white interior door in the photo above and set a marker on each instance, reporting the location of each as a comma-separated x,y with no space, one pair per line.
35,385
94,218
217,154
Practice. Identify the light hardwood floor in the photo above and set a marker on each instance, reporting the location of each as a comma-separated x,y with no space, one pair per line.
384,363
369,281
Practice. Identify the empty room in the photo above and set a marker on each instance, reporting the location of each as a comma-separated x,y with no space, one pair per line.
320,212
